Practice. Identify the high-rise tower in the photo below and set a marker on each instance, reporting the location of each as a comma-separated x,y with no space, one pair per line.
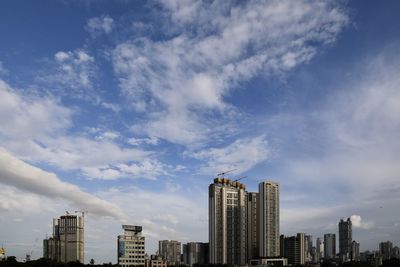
67,243
329,246
345,238
227,222
269,219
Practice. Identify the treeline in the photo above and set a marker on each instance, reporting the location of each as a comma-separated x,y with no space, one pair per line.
386,263
12,262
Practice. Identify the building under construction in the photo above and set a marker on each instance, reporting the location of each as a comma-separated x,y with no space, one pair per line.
67,242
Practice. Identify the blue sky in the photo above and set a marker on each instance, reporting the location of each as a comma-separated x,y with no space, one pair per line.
128,109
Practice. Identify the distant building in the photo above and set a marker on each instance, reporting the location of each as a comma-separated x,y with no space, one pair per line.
345,239
385,249
157,261
269,262
308,245
293,248
373,259
253,225
269,219
396,252
329,246
131,247
67,242
355,251
195,252
319,249
170,250
227,222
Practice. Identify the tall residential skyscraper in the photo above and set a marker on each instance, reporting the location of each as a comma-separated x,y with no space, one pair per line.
131,247
329,246
67,243
227,222
253,237
345,238
170,250
269,219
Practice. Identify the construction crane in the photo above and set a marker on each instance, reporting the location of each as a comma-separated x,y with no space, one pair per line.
222,174
238,179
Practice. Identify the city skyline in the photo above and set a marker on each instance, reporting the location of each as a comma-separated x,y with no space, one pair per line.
129,109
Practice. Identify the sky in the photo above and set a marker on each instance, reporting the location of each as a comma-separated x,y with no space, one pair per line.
129,109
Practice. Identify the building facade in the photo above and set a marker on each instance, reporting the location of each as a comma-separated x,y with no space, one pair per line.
227,222
329,246
157,261
253,226
195,252
170,250
131,247
319,249
269,219
67,242
294,249
355,251
308,245
386,249
345,239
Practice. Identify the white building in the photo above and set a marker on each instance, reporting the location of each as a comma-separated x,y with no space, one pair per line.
131,247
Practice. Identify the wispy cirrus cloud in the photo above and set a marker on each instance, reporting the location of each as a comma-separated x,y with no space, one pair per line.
183,79
242,154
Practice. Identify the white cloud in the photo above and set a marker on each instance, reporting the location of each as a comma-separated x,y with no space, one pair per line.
110,135
146,169
357,222
98,25
26,177
181,79
71,73
243,154
139,141
30,117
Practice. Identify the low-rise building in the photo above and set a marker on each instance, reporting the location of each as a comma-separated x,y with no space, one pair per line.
269,262
157,261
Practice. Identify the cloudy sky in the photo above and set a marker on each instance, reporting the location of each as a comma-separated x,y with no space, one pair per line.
128,109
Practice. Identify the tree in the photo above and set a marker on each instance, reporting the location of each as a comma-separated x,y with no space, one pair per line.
92,262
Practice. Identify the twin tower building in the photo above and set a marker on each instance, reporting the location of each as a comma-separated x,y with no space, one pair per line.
243,225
